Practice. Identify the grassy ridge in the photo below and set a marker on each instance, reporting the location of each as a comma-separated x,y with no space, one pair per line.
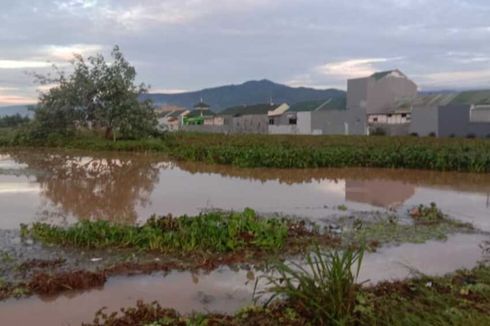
451,154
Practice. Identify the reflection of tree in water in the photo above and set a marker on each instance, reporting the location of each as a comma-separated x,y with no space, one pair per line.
102,186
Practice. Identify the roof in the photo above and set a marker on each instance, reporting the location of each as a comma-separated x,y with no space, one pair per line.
435,99
250,109
383,74
198,113
479,97
174,114
332,103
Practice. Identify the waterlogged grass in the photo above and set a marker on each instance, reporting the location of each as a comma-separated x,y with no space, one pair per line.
472,155
428,223
213,232
462,298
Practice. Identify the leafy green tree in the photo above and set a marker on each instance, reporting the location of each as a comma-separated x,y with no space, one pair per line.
96,94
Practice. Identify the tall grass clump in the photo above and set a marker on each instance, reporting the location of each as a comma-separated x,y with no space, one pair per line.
323,290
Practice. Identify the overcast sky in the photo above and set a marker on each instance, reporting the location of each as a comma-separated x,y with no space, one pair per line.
179,45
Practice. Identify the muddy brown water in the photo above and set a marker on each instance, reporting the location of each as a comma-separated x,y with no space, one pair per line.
226,290
63,186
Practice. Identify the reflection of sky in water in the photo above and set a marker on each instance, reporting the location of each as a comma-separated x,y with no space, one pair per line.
162,188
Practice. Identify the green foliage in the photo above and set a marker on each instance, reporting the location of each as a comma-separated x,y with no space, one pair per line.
325,290
214,232
459,299
295,151
13,121
97,94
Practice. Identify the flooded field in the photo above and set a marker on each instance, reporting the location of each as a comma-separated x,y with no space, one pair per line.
61,187
227,290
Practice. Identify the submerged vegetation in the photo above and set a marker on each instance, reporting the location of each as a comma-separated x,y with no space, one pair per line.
213,232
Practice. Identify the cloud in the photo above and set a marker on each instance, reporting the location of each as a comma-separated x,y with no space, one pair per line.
353,68
23,64
66,52
457,79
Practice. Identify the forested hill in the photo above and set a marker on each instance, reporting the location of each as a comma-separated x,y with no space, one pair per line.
251,92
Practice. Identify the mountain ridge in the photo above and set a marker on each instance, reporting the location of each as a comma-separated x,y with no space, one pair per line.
247,93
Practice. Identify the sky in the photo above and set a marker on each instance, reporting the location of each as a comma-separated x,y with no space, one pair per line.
180,45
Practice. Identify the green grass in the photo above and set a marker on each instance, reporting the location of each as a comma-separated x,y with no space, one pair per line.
324,290
288,151
214,232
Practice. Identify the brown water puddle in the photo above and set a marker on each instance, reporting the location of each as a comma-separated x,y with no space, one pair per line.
63,186
226,290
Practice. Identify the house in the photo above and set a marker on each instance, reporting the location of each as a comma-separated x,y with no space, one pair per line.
201,115
170,121
169,116
386,97
251,118
325,117
464,114
380,92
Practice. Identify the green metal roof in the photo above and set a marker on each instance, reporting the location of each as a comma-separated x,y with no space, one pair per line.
333,103
250,109
479,97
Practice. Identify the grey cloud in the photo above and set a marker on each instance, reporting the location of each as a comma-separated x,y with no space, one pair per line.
190,44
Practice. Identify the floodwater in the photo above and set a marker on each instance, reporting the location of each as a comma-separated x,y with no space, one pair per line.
226,290
64,186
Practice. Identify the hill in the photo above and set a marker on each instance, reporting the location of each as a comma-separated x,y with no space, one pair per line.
251,92
14,109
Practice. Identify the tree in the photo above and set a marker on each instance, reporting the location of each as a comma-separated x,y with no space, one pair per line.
96,94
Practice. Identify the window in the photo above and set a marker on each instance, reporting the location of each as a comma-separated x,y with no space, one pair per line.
404,115
375,119
390,115
293,121
271,121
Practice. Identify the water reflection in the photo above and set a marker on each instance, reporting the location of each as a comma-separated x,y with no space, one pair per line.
102,186
59,185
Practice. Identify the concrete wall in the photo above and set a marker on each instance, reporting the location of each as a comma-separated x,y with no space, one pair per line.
250,124
480,113
401,129
379,95
357,93
424,121
447,121
304,123
339,122
206,129
385,92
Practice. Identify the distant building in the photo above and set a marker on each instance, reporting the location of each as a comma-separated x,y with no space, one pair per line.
252,118
385,97
326,117
380,92
465,114
201,115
